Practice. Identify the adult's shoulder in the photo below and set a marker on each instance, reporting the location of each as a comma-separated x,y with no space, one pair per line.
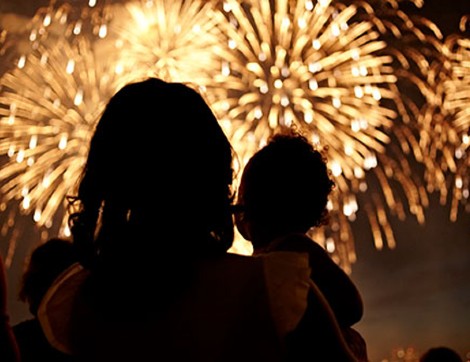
62,301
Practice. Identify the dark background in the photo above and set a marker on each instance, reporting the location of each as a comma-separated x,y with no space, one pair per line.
417,295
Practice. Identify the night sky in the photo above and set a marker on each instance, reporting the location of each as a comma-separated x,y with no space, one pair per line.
417,295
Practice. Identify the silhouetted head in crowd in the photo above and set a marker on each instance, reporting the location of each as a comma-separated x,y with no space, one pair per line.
284,189
46,263
440,354
157,180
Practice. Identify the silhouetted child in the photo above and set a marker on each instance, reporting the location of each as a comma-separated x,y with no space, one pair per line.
283,193
46,263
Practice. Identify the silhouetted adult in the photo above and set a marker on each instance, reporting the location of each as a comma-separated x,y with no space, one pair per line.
153,221
46,263
283,193
8,347
440,354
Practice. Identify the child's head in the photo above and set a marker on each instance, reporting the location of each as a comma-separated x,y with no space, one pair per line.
440,354
284,188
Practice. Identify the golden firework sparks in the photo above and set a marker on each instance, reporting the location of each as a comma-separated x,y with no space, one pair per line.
338,71
457,103
49,105
325,68
446,136
172,40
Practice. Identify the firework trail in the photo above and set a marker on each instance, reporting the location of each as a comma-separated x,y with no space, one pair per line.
4,44
457,102
446,137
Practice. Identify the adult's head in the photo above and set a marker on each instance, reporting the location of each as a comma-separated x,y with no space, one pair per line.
46,263
158,175
440,354
284,188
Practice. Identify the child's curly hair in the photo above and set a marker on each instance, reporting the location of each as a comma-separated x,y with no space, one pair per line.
286,184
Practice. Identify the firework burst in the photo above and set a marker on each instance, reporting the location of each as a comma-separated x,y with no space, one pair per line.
171,40
338,71
48,108
324,68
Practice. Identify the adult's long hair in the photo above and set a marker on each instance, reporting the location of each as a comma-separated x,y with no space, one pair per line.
155,193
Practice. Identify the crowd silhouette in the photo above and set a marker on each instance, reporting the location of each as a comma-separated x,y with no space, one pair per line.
440,354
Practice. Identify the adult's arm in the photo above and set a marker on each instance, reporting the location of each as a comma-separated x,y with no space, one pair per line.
318,336
338,288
